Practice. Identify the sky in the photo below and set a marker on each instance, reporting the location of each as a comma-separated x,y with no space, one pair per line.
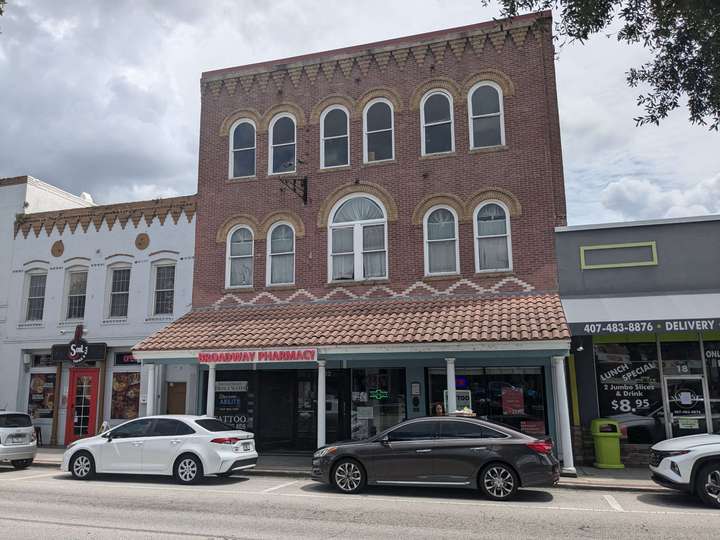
104,97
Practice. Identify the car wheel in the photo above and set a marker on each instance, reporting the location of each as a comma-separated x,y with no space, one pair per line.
708,484
21,463
188,469
82,466
348,476
499,482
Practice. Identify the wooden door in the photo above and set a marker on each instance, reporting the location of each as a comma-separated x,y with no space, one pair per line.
175,393
83,388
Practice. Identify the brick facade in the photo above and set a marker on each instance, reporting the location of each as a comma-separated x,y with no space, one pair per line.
527,170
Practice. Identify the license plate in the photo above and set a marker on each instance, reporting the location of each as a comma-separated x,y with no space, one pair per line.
16,438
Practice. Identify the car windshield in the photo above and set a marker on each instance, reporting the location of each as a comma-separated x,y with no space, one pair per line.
211,424
14,420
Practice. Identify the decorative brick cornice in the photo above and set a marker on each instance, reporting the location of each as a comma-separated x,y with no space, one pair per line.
123,213
348,189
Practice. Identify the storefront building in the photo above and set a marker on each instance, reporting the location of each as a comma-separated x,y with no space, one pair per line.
643,303
375,239
85,285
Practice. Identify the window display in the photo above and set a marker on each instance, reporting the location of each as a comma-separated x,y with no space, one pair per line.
712,360
125,395
378,400
41,401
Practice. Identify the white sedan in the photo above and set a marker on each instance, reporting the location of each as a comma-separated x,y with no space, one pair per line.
183,446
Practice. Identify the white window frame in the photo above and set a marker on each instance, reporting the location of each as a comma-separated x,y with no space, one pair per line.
109,291
228,258
508,235
426,241
26,294
501,114
269,255
66,292
357,240
231,153
323,138
153,297
365,131
423,125
270,144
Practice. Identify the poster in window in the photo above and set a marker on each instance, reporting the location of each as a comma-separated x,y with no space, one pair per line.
513,401
41,401
125,395
235,404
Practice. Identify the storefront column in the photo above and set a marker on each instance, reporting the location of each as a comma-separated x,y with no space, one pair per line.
558,368
150,406
452,395
210,409
321,404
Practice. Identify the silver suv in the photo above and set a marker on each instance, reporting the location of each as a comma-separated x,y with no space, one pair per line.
17,439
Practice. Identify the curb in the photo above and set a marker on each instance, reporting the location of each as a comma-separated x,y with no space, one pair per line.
611,487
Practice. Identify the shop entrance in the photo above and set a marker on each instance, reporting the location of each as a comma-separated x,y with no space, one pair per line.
82,404
686,405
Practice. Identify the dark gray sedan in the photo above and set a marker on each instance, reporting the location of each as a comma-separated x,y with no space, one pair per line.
441,452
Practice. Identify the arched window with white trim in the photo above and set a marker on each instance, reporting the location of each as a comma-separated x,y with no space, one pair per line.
282,144
358,239
240,257
334,137
281,254
441,241
493,246
487,119
378,131
436,117
242,149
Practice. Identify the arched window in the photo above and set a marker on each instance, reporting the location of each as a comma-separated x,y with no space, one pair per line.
493,248
334,140
441,246
358,239
240,255
282,144
485,106
281,255
242,149
378,131
437,123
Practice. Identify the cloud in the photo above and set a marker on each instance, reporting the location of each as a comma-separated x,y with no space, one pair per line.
641,198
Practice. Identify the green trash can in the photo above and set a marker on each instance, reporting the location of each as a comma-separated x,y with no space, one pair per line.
606,435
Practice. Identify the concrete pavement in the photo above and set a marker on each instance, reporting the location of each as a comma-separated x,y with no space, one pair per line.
44,503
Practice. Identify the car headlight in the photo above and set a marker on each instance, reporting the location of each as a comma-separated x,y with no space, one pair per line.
325,451
676,453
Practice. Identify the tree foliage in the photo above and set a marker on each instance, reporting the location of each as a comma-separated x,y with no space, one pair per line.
683,37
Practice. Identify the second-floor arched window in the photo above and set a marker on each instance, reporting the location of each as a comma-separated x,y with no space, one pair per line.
242,149
441,245
334,139
436,116
282,144
493,248
281,255
378,131
240,256
485,107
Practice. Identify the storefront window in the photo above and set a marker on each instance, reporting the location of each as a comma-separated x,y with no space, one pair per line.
125,403
41,401
44,360
513,396
378,400
681,358
235,399
629,389
712,359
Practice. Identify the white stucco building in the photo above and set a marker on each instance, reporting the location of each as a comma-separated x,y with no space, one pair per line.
121,271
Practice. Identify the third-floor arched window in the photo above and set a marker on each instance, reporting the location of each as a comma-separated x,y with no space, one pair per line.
436,116
334,139
282,144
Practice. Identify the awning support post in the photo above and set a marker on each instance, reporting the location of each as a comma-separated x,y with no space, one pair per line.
210,409
452,394
150,396
558,368
321,404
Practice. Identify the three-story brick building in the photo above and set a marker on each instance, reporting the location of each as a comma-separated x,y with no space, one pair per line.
375,233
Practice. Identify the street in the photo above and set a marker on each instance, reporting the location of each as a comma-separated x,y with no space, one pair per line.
44,503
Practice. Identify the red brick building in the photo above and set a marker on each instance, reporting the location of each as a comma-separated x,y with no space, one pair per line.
386,210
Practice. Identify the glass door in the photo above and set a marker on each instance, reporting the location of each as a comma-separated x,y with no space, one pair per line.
686,405
82,404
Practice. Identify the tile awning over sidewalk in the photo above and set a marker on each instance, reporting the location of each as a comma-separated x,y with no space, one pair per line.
500,318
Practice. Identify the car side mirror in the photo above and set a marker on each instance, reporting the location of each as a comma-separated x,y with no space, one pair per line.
385,441
107,436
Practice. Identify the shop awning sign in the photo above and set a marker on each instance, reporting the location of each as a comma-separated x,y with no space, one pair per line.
259,356
644,327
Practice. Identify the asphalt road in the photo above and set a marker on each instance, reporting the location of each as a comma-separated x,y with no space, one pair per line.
44,503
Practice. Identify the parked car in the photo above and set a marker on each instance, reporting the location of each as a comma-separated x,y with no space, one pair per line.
18,444
690,464
186,447
441,452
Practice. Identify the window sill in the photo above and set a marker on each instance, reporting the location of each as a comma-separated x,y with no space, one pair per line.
494,273
441,277
334,169
282,287
160,318
70,322
238,289
31,324
114,321
354,283
489,149
284,173
241,179
438,155
380,163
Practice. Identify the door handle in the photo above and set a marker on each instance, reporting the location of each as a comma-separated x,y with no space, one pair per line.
138,443
424,451
479,448
175,441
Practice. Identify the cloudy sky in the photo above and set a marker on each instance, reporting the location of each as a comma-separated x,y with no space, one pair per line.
103,96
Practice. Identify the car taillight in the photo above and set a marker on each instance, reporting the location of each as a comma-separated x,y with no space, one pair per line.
226,440
541,447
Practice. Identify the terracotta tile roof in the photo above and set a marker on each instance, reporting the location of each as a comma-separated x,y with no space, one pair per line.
520,317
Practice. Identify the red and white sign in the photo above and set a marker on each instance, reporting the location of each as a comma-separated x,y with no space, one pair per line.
513,402
259,356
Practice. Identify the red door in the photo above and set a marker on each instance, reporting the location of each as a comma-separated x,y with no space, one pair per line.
82,404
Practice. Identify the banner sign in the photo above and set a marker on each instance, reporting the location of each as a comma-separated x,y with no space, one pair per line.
661,326
513,401
258,356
